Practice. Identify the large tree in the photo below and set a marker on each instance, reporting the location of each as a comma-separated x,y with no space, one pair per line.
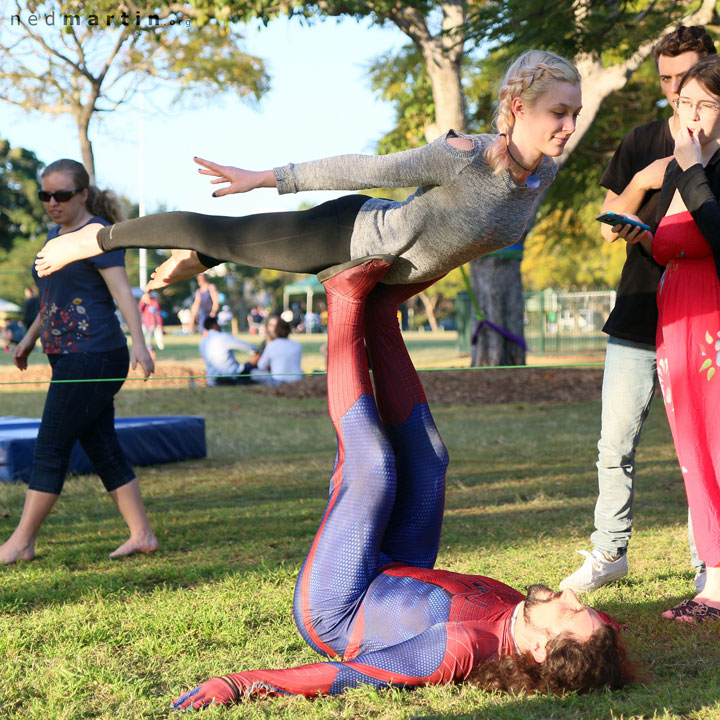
608,42
59,57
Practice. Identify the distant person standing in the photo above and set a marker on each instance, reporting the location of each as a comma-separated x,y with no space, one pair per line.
84,343
256,319
31,307
185,316
225,316
152,321
281,359
206,302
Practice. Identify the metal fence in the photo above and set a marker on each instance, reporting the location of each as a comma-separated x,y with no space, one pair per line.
556,322
560,323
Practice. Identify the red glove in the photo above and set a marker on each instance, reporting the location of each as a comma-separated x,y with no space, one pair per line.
215,691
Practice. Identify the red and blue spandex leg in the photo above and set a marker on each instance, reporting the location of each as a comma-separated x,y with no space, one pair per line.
387,488
385,505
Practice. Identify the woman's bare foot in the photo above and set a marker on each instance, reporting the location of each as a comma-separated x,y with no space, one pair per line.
67,248
146,543
12,552
181,265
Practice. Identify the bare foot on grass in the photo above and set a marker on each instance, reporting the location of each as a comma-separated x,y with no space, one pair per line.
12,552
67,248
143,544
181,265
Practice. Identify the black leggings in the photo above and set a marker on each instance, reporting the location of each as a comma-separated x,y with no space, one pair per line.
305,241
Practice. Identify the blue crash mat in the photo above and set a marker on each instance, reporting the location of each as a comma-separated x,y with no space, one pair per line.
144,440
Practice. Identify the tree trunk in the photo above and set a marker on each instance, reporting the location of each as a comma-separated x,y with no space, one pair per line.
429,304
497,285
83,123
443,55
447,95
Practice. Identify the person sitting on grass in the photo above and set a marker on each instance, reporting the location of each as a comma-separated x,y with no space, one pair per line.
218,351
368,591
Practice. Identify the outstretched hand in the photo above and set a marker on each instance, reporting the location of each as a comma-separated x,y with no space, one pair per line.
240,181
214,691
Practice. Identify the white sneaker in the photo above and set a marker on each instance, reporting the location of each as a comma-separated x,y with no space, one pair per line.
596,571
700,578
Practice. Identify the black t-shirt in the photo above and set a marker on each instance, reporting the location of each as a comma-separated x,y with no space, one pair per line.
635,315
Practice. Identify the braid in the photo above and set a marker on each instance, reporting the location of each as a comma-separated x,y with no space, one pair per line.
529,77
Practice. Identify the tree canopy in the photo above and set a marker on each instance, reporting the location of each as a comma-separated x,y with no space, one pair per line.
21,213
58,57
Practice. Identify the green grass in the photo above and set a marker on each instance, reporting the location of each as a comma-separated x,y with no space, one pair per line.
85,637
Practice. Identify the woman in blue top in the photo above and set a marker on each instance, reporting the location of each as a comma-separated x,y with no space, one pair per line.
81,335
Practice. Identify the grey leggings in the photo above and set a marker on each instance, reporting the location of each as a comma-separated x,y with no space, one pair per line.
306,241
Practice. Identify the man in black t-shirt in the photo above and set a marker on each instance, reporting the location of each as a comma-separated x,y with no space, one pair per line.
633,180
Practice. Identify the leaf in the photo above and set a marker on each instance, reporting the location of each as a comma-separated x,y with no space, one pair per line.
711,372
708,338
705,365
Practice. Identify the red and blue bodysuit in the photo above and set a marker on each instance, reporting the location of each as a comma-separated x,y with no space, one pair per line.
367,591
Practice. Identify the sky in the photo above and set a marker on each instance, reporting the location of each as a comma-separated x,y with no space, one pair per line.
320,104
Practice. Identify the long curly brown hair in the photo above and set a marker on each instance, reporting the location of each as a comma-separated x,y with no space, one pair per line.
571,666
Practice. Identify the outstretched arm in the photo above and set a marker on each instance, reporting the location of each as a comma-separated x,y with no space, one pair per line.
434,164
438,163
444,653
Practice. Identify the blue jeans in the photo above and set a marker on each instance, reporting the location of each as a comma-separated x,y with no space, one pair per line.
82,412
629,383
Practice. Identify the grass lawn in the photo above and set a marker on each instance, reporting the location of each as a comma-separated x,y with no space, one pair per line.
432,349
85,637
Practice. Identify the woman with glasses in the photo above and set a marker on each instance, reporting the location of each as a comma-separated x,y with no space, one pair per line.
687,242
475,195
82,338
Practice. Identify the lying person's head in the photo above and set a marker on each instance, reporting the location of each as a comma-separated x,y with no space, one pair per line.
565,646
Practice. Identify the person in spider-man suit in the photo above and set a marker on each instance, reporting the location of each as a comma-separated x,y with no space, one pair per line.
367,591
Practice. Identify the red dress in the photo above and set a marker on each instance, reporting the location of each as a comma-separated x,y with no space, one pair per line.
688,359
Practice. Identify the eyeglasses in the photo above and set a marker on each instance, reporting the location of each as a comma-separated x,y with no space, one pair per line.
60,195
702,107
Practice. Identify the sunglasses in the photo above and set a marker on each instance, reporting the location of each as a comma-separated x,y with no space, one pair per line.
60,195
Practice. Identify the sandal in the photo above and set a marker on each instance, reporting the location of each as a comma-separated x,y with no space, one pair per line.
694,611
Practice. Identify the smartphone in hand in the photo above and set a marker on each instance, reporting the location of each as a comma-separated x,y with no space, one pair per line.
615,219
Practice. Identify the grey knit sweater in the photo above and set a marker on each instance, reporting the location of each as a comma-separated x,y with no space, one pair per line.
460,211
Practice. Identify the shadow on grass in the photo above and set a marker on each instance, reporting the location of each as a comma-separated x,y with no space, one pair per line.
212,530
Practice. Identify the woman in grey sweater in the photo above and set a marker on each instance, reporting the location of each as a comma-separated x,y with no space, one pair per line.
474,195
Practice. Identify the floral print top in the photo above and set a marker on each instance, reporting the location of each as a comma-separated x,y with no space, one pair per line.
77,311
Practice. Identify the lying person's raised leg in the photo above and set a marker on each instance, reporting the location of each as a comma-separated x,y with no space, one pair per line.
343,558
413,532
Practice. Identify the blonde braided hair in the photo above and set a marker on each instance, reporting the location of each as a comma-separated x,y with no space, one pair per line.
529,77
